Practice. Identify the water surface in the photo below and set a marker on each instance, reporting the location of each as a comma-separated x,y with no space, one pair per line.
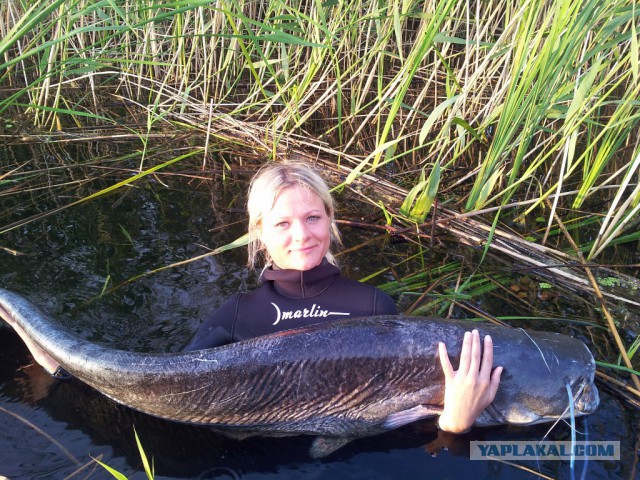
53,429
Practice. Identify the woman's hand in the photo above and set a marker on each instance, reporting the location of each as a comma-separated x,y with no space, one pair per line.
470,389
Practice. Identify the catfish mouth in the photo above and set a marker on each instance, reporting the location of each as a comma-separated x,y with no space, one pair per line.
588,399
585,402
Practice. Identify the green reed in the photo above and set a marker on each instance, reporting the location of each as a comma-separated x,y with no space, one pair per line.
525,100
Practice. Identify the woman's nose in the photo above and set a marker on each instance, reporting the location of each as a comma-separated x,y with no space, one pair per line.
300,231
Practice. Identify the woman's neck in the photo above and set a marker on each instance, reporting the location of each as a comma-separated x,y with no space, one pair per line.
301,283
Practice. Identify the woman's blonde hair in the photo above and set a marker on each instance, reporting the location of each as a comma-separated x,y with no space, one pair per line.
266,185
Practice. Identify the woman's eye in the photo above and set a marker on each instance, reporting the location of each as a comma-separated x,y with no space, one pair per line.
313,218
282,224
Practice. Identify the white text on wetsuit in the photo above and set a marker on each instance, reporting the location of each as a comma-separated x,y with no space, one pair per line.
314,312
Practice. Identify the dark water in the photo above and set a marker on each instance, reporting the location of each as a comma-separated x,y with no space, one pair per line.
53,429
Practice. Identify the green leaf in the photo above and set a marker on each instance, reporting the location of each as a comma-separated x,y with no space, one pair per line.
126,233
145,462
635,51
433,116
464,124
419,200
617,367
111,470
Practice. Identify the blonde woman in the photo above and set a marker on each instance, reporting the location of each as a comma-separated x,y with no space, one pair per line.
292,229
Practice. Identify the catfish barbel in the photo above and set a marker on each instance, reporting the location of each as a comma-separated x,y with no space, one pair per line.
338,380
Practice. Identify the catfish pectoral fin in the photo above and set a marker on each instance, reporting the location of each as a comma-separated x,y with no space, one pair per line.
323,446
405,417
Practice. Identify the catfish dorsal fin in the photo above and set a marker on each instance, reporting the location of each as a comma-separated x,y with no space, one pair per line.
404,417
323,446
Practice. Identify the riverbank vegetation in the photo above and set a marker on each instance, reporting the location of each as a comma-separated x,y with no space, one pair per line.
510,125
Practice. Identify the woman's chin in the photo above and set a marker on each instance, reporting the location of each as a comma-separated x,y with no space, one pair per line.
303,264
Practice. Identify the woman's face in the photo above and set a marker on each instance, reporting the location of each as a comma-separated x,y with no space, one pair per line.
296,232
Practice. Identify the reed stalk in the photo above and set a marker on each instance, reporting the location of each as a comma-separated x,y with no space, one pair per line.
526,96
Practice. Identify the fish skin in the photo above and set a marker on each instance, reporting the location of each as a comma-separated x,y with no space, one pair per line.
339,380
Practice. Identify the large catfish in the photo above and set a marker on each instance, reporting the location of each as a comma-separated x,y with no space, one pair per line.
338,381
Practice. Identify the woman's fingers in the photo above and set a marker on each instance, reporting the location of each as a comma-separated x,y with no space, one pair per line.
487,372
495,383
474,361
469,356
465,354
487,358
447,368
471,388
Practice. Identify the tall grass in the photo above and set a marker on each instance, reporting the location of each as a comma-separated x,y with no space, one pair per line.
508,101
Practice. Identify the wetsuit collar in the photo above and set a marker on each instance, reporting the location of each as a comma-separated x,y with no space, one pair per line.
302,284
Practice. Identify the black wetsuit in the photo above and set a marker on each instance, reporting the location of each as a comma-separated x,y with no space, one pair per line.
290,299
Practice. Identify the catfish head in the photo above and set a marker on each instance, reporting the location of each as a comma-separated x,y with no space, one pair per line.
546,376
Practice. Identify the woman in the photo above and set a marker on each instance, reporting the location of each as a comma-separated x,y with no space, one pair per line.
292,226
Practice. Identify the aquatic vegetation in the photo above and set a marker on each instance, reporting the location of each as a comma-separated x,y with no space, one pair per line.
609,281
521,101
148,467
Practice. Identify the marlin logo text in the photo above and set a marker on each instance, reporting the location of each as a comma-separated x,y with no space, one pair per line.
314,311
